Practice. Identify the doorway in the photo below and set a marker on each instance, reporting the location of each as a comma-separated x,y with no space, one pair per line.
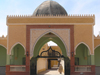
49,64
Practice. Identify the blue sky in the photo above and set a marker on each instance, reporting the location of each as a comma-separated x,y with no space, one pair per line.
27,7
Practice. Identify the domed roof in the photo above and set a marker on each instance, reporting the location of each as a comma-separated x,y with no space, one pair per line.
50,8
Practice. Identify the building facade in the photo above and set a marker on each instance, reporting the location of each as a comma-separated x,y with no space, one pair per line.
50,22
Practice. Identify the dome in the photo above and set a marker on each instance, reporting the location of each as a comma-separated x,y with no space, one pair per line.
50,8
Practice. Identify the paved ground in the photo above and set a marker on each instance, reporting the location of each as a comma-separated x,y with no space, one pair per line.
2,70
50,72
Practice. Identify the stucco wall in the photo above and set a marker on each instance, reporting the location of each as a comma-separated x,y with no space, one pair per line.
84,33
16,34
96,43
3,41
44,48
41,64
57,48
48,19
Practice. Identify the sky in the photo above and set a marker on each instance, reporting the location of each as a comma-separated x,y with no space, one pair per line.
27,7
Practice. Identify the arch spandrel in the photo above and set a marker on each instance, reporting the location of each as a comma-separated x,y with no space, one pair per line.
63,34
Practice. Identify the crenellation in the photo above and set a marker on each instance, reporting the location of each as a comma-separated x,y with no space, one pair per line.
69,15
3,37
96,37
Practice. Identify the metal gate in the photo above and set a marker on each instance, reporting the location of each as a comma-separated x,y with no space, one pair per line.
50,53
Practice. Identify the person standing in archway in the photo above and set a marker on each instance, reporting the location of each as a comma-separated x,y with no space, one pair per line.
60,69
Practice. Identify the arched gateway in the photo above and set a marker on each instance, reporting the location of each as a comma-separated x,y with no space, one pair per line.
55,33
49,22
50,54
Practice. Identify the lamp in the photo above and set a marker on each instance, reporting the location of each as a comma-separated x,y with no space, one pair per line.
72,53
27,53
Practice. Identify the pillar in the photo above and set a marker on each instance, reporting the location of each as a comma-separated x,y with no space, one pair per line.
92,60
8,60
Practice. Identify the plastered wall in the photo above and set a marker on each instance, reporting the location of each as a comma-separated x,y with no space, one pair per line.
84,33
41,64
63,19
3,41
96,43
16,34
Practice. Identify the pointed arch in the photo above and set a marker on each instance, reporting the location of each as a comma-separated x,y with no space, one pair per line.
97,55
3,46
3,55
84,44
97,46
50,31
15,45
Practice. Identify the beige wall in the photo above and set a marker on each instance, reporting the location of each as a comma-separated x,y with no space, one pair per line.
46,47
16,34
41,64
56,48
84,33
63,19
3,41
54,63
96,43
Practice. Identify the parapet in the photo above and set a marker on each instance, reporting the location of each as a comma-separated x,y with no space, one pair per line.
70,15
98,37
3,37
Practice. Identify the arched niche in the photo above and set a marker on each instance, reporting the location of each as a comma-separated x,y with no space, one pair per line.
17,55
82,56
15,45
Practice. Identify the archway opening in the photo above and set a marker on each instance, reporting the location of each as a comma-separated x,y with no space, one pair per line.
17,55
97,55
50,62
82,56
2,56
97,59
3,53
46,38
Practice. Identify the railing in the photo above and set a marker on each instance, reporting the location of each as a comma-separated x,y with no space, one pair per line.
18,68
81,68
